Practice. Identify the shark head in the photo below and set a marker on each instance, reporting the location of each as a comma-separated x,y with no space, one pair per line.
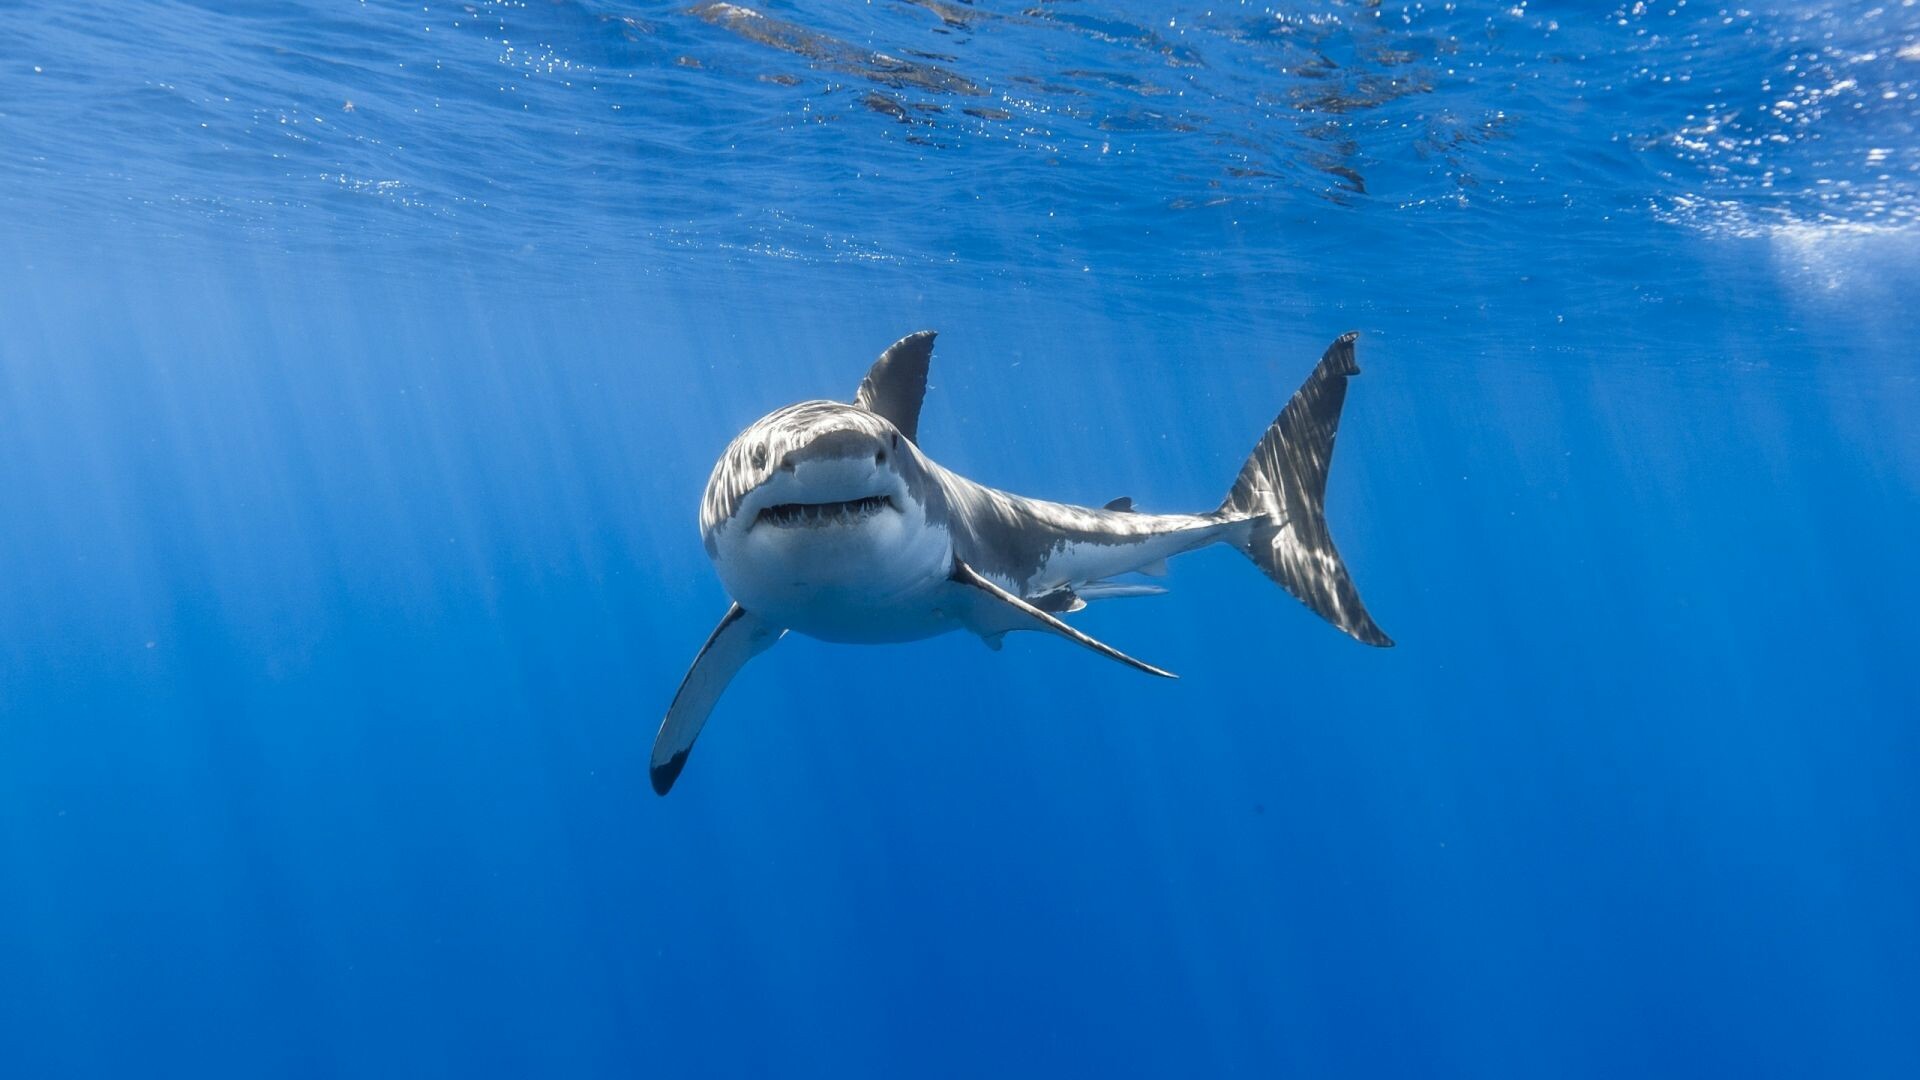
821,499
818,465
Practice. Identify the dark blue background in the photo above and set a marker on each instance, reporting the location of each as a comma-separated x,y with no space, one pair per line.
348,559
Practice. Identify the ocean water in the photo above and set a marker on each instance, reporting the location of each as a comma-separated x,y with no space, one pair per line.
362,364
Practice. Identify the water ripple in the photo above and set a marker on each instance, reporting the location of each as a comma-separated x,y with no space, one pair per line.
942,133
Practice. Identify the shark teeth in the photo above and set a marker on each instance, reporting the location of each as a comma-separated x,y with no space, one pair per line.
814,515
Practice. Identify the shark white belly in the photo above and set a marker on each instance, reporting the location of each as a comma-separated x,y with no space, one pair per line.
877,574
826,519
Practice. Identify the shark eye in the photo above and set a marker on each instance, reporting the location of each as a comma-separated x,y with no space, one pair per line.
758,457
896,440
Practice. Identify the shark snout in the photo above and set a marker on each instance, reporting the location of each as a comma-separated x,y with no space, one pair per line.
831,479
838,446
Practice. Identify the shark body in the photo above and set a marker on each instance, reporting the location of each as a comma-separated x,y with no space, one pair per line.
826,519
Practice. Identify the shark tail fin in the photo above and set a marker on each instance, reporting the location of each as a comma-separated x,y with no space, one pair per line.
1281,496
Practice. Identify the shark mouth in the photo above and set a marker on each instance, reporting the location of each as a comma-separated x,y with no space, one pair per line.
814,515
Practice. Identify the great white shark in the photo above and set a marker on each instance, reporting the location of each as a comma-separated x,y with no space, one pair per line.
826,519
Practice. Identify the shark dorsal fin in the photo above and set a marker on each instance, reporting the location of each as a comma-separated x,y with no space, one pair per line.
1121,505
897,381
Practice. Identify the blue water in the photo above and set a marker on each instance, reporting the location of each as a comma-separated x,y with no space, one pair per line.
361,366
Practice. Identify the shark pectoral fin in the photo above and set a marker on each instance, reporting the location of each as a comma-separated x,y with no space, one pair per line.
1007,611
740,637
897,382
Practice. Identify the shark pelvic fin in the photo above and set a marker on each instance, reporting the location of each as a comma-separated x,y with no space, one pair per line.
1005,611
1060,601
740,637
897,382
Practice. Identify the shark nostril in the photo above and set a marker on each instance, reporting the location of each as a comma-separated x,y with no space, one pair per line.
880,457
786,464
